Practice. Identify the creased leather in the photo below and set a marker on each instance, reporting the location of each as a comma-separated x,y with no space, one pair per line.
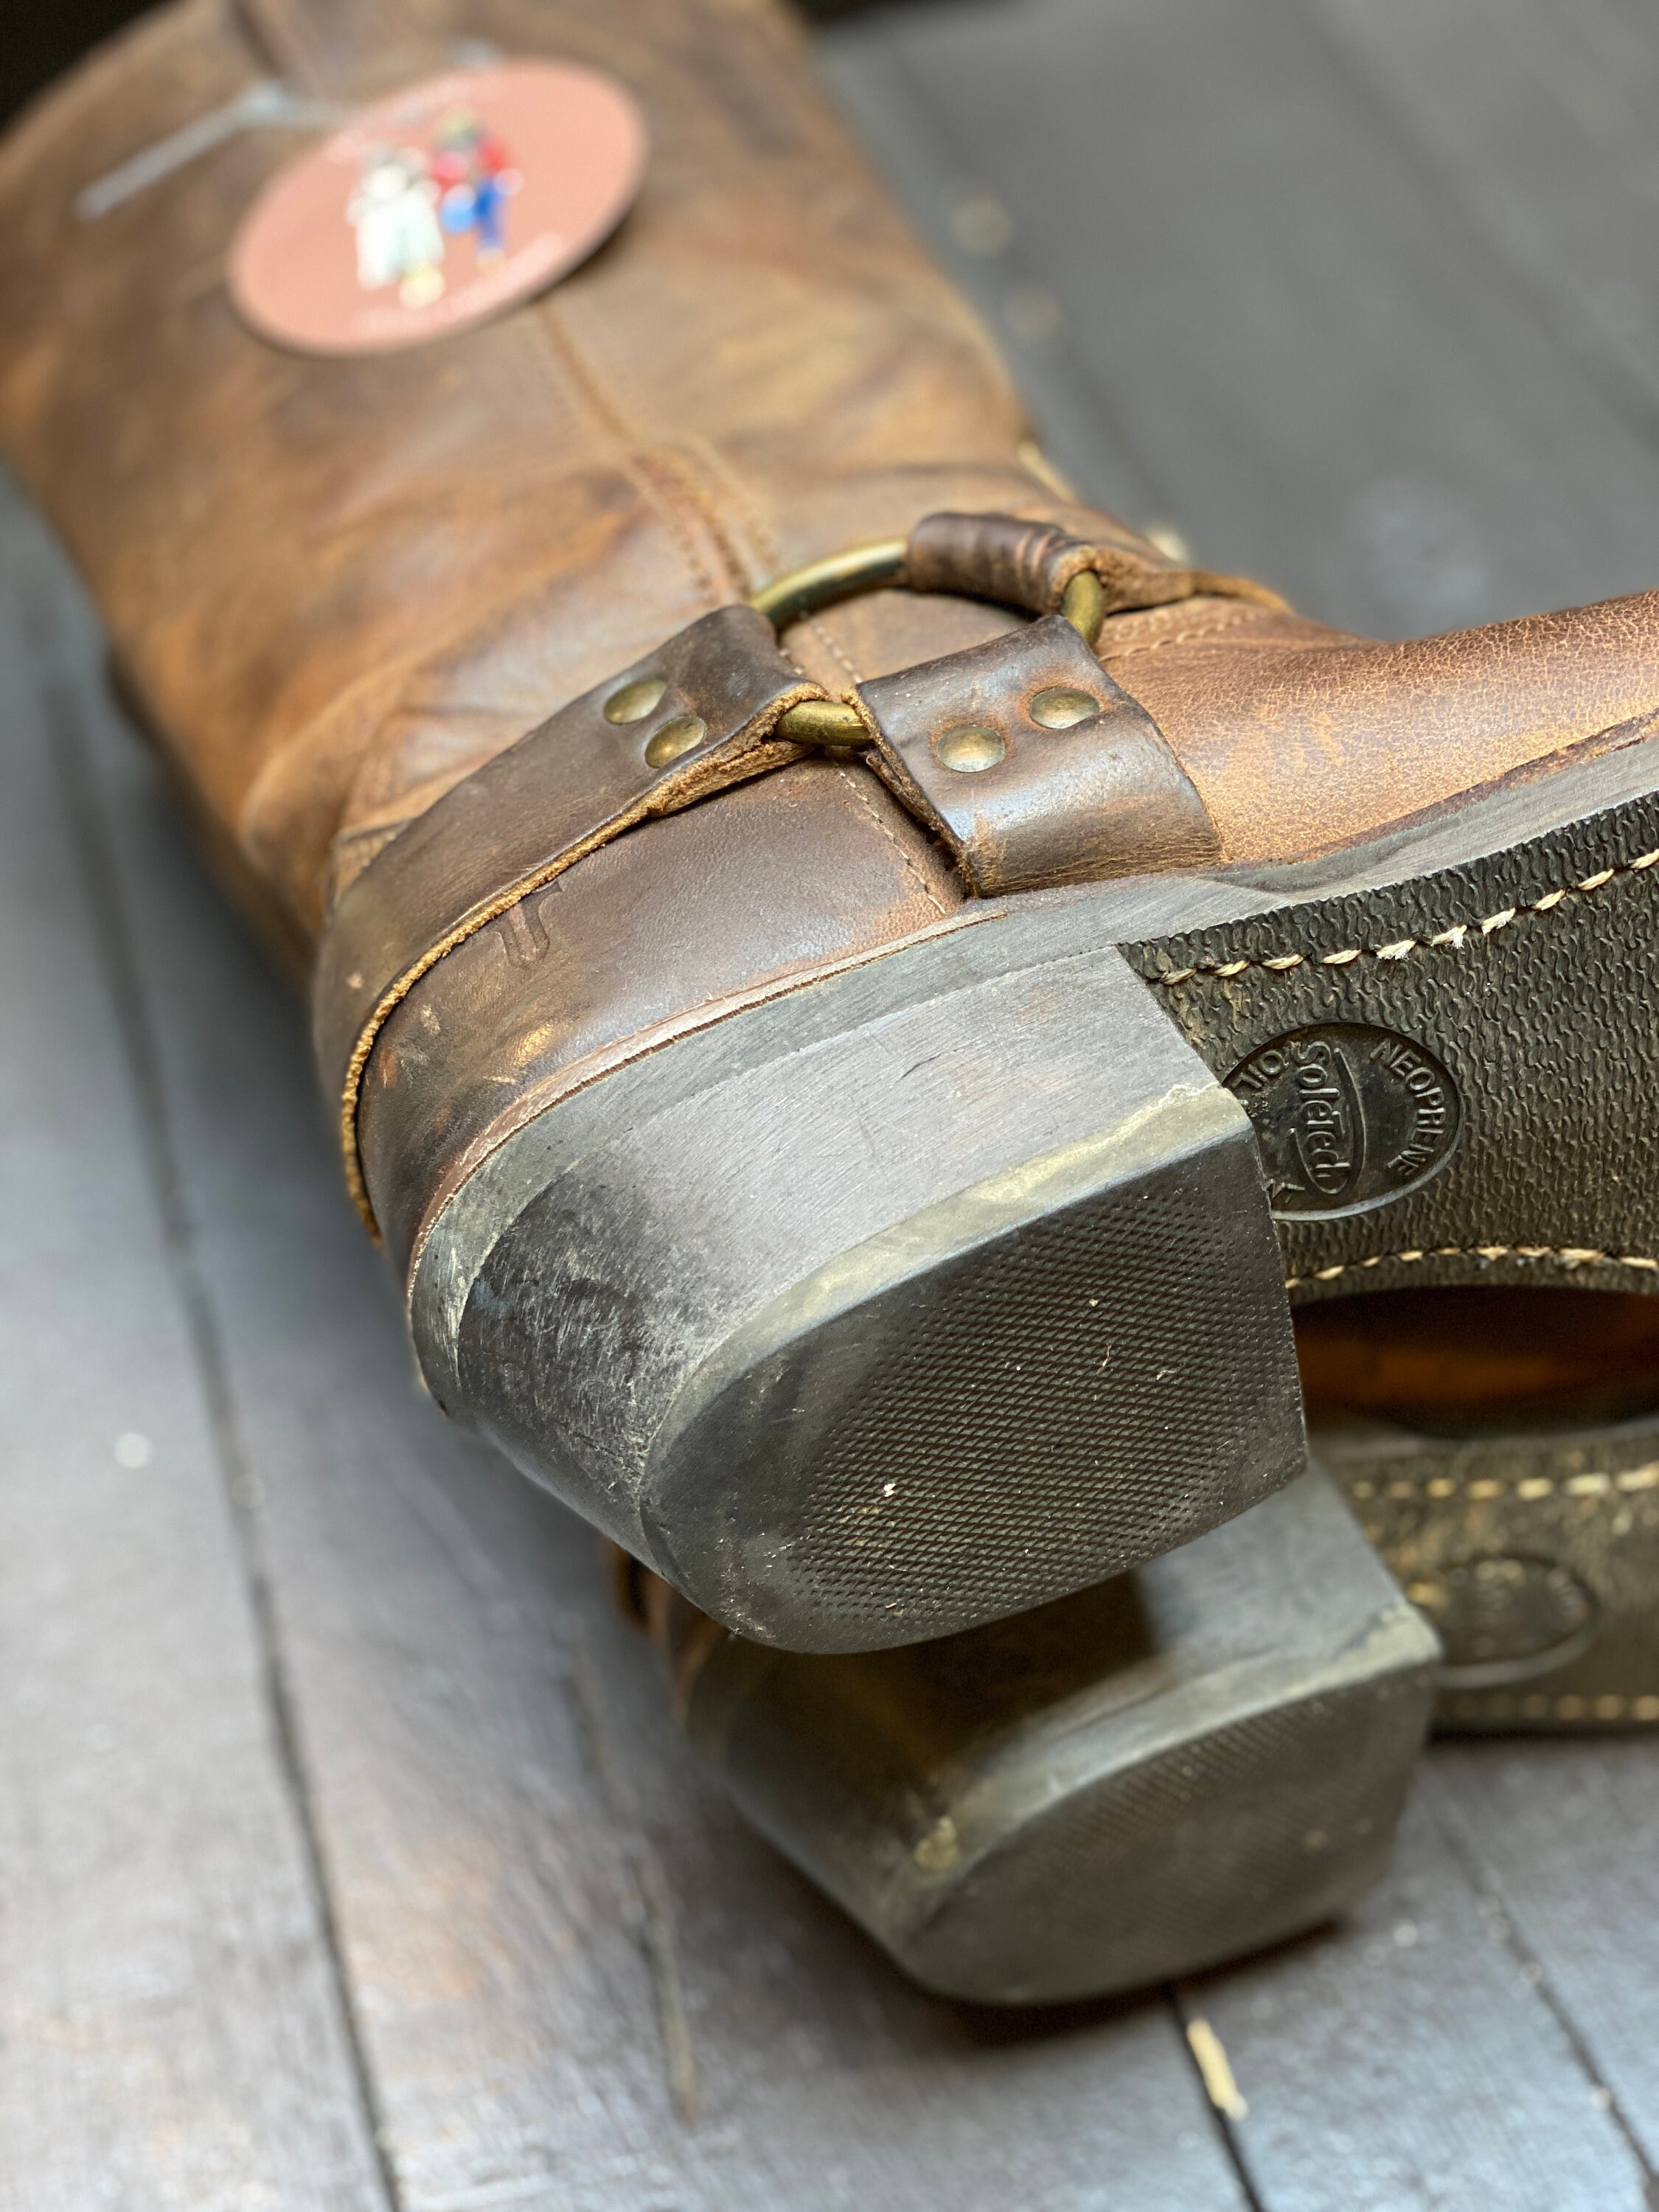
339,585
1300,739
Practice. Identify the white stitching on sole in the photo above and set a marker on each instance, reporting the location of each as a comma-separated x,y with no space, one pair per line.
1450,940
1569,1256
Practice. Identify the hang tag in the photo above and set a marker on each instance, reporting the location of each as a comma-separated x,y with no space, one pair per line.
445,203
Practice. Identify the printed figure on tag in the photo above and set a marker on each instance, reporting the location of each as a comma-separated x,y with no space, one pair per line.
476,176
448,202
393,213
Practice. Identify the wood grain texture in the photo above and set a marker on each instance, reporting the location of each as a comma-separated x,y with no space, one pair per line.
580,1982
170,2030
1534,125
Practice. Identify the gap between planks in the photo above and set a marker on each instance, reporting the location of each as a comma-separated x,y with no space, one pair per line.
96,855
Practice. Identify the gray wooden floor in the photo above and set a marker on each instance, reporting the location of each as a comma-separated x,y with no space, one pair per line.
349,1858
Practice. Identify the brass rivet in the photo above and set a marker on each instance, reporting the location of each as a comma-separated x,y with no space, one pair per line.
970,748
1059,706
635,700
675,736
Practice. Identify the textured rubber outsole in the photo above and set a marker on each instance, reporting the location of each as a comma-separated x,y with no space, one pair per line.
1137,1781
1017,1394
1449,1045
925,1295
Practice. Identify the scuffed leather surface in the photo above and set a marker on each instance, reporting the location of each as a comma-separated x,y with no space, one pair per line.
1299,738
1104,797
509,1022
570,786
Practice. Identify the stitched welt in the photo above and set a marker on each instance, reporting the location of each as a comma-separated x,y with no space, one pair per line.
1452,940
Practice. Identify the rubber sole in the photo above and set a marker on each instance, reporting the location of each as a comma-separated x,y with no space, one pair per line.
1145,1779
1451,1073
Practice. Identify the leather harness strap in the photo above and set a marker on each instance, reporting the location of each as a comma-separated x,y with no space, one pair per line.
695,716
1022,755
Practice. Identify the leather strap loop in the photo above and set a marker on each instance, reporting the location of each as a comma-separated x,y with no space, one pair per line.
1035,566
1029,565
695,715
1033,766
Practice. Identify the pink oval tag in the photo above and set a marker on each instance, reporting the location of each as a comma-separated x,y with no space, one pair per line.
451,200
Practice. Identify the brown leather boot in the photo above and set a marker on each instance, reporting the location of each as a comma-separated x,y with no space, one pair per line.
812,1085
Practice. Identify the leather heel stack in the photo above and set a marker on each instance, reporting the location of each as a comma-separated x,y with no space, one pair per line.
924,1295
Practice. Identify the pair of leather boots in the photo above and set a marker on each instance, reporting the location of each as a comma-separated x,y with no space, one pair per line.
860,995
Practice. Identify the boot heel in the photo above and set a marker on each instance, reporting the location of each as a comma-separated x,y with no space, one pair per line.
919,1296
1138,1782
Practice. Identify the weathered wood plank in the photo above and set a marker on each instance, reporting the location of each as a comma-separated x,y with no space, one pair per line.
1407,2063
581,1982
1565,1840
172,2034
1326,380
884,92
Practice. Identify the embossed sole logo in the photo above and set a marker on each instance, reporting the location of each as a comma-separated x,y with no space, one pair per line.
1346,1117
1505,1619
